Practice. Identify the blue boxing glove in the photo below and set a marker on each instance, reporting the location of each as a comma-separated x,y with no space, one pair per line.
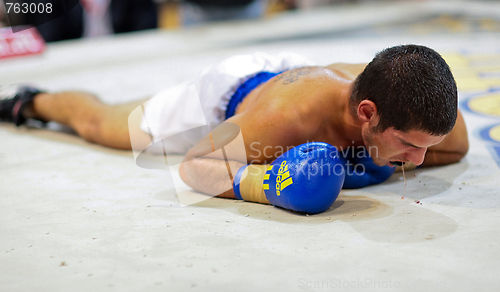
361,171
307,178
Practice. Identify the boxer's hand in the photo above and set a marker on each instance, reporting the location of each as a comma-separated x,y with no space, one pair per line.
307,178
361,171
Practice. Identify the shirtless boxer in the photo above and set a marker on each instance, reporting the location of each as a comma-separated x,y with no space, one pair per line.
403,104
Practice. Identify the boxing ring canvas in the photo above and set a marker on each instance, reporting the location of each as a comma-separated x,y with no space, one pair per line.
77,216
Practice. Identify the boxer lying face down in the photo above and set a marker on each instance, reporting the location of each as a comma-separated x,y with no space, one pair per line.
399,108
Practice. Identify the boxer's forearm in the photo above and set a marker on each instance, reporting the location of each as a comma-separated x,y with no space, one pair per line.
214,177
452,149
436,158
210,176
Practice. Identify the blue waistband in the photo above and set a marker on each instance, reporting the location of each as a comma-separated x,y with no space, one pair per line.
244,89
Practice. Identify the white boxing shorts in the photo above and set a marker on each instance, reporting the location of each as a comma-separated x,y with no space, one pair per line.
179,116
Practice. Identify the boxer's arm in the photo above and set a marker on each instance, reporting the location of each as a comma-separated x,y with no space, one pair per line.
210,175
210,166
213,177
452,149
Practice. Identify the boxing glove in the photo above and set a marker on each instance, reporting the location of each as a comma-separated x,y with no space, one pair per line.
307,178
361,171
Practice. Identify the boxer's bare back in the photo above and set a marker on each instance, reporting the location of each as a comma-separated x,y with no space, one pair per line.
297,106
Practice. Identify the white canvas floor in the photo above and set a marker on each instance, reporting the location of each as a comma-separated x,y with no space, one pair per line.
79,217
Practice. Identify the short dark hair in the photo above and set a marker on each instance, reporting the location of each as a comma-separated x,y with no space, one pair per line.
412,87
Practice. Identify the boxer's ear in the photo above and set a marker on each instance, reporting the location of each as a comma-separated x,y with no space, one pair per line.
367,112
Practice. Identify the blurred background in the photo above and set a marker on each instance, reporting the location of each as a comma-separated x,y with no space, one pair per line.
94,18
148,43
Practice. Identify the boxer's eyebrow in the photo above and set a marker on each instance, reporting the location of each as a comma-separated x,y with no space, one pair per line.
409,144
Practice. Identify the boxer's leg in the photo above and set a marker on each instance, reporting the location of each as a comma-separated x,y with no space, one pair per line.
93,120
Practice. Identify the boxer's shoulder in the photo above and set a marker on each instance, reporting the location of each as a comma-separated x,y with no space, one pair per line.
297,88
304,74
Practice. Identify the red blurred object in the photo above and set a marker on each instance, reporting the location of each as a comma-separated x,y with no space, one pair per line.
23,43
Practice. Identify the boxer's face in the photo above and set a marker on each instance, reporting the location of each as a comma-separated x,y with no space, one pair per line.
393,145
